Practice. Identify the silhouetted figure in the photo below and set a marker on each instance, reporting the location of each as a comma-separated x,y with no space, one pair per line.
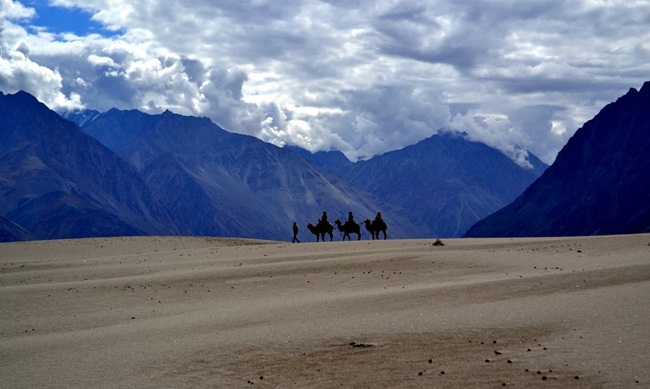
375,227
295,233
350,218
322,222
321,229
350,227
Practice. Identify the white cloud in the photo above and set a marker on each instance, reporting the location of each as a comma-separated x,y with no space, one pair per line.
10,9
97,60
19,72
361,76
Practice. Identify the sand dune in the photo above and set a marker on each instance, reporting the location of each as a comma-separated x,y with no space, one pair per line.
208,312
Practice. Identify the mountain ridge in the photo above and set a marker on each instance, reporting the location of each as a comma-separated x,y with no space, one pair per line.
597,185
204,180
231,179
59,182
453,181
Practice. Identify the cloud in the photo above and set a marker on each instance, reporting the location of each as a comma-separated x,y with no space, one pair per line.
19,72
361,76
10,9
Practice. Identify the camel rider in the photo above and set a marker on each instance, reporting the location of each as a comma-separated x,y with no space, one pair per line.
350,219
324,217
378,216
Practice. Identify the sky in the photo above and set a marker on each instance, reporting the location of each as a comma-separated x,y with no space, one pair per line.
360,76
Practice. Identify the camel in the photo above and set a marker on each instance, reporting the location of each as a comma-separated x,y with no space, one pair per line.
349,228
321,229
375,227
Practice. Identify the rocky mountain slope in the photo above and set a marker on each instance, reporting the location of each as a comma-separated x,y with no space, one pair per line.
186,175
445,182
214,182
58,182
599,183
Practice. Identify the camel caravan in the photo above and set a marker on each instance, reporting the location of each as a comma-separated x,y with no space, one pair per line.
324,227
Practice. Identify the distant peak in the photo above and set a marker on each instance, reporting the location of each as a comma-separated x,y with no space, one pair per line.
645,89
25,95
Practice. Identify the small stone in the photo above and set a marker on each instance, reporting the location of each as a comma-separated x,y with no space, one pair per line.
362,345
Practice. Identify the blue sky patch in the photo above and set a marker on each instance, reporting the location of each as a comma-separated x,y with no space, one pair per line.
65,20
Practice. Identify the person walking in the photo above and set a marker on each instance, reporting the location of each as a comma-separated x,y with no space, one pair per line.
295,233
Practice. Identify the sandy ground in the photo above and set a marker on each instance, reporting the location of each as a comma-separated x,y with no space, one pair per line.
202,312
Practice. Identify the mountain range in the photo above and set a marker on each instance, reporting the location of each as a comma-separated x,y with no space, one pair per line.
56,181
599,183
446,182
215,182
130,173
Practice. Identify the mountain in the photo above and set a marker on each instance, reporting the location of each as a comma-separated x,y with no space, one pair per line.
445,182
58,182
11,232
599,183
171,174
214,182
334,161
81,117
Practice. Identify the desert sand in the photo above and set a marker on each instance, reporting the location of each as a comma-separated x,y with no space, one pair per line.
152,312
